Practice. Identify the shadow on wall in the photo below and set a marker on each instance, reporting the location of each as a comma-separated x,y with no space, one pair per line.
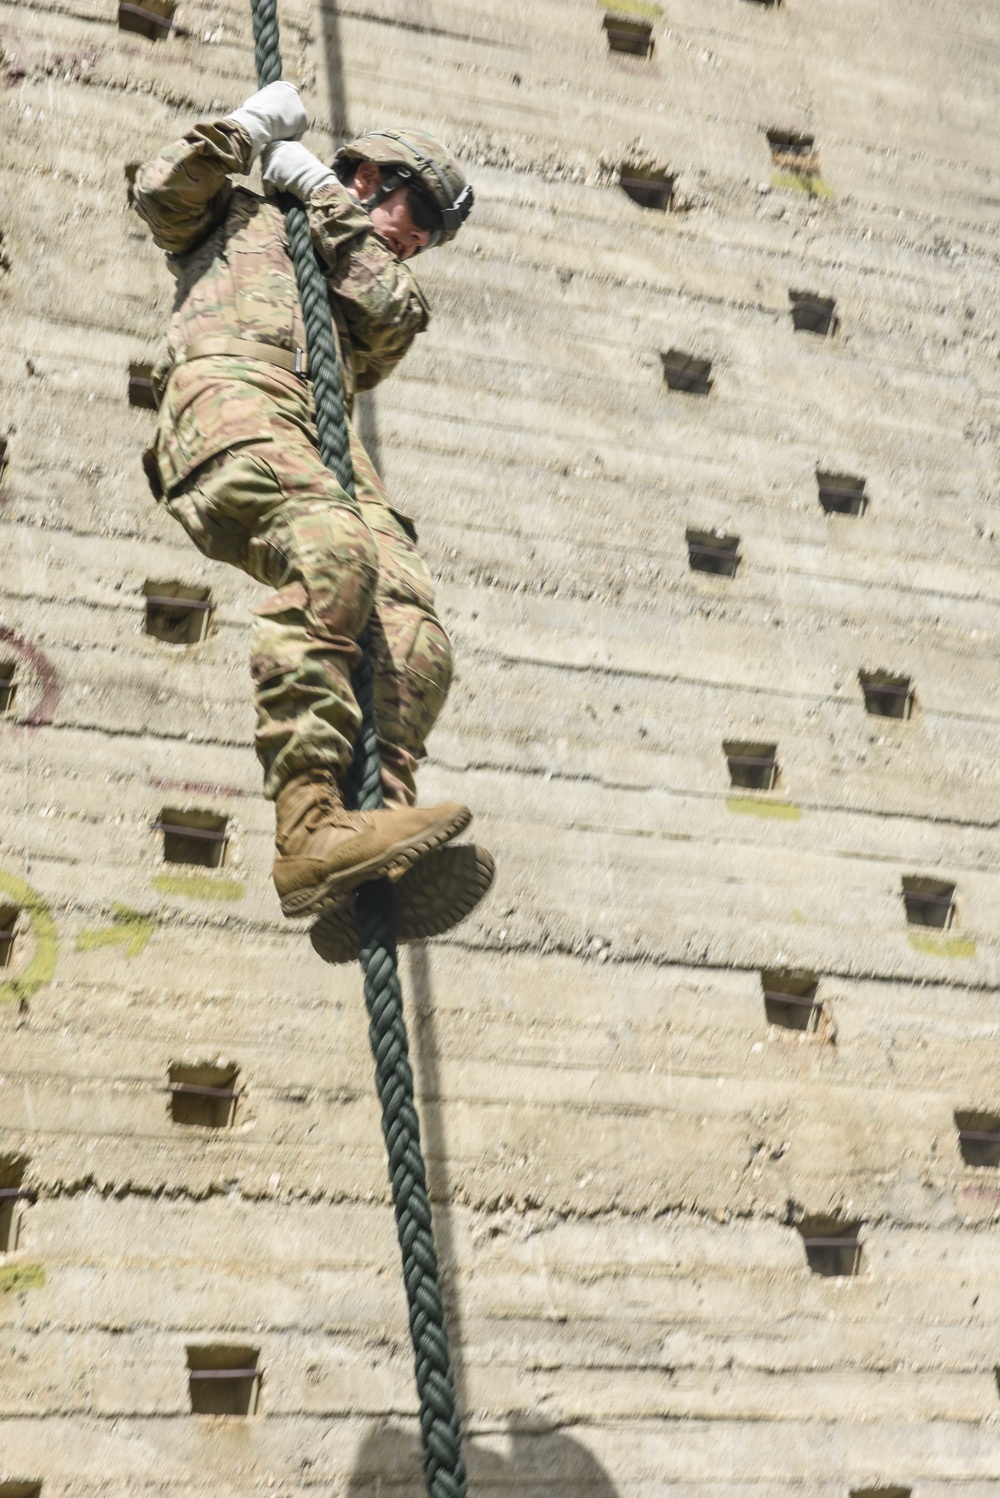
330,22
539,1462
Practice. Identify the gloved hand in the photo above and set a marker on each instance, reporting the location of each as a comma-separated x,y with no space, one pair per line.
275,113
290,167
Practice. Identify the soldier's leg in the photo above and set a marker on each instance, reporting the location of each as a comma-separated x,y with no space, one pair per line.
275,511
411,653
413,663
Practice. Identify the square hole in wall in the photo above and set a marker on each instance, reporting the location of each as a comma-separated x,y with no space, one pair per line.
978,1137
752,765
140,386
203,1095
20,1489
832,1246
4,455
790,999
8,684
628,35
881,1492
152,19
650,187
176,613
224,1380
13,1196
812,313
842,493
887,694
9,916
793,151
686,372
928,902
196,837
711,551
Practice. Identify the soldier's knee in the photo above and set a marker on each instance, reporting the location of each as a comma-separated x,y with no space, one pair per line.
427,672
432,657
334,555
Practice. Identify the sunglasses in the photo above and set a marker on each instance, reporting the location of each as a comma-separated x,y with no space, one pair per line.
424,212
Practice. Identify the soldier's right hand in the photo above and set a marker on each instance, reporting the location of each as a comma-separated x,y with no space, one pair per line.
273,113
290,167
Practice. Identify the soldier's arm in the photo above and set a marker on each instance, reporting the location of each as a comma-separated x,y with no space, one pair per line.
380,301
376,361
184,193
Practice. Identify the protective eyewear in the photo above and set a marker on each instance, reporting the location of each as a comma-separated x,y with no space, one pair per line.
425,213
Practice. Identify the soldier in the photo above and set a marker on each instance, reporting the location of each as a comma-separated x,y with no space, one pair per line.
235,460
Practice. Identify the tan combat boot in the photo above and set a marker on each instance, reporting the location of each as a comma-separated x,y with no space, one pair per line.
440,891
324,851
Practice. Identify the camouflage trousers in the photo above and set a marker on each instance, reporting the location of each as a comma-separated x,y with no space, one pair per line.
272,509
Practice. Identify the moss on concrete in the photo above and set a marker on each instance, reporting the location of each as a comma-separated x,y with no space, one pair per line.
199,887
17,1277
43,928
942,946
641,8
787,811
813,187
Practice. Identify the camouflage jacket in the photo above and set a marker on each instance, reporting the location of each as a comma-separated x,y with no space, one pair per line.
228,250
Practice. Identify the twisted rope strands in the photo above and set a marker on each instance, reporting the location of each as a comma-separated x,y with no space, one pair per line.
440,1426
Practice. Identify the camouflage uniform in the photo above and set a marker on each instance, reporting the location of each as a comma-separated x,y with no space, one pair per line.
236,461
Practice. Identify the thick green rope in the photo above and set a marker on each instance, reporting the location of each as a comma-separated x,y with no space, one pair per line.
444,1465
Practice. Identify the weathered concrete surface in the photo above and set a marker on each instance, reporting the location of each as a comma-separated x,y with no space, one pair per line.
620,1146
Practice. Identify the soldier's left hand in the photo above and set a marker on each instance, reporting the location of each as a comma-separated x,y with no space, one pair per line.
273,113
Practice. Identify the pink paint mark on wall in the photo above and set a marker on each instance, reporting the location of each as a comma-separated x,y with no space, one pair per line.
982,1193
196,787
39,663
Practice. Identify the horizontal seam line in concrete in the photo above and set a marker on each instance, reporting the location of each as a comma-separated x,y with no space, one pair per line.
479,766
676,678
670,548
391,1408
569,947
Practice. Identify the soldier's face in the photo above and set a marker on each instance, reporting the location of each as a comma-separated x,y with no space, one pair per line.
392,220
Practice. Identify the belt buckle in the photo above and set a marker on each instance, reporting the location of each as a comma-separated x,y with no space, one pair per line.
299,360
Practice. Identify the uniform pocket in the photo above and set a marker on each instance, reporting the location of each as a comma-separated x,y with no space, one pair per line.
412,673
406,523
212,536
226,506
205,412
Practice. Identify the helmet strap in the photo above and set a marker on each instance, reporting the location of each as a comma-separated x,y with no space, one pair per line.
453,217
384,190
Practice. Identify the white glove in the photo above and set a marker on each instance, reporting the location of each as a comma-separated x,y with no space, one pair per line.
275,113
290,167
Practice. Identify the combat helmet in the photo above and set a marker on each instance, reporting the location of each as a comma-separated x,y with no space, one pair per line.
418,160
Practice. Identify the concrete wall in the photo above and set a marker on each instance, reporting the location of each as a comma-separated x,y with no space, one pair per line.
621,1147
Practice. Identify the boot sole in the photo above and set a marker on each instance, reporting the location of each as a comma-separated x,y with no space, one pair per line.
428,900
399,857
